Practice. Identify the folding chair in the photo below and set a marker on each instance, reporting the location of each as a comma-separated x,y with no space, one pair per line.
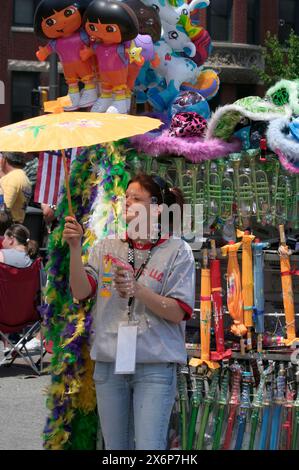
20,295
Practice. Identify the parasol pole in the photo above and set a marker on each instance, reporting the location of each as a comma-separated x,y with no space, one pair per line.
67,183
287,289
217,294
57,107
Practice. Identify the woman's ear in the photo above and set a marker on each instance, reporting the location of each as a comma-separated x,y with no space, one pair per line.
11,241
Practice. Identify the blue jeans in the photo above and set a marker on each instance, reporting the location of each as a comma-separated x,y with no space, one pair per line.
137,407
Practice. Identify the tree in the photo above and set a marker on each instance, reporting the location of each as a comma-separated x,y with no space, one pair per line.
281,60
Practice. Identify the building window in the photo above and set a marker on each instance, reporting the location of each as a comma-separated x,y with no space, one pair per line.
288,18
220,20
253,22
23,12
22,85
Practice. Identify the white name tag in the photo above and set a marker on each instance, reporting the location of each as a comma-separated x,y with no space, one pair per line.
126,349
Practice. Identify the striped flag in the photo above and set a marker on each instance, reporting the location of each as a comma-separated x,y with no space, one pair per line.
50,175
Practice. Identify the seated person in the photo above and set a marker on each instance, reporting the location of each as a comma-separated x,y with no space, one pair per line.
17,248
19,251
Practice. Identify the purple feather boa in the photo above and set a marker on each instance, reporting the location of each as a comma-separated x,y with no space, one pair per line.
192,148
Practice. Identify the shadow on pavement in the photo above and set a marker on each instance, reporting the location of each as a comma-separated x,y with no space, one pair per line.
20,368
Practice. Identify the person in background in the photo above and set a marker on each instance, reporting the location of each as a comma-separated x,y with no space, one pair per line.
15,184
17,248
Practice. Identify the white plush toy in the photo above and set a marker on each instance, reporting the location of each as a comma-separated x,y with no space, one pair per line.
171,12
177,39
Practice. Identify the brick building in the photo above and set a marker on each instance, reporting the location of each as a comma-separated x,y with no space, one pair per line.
237,27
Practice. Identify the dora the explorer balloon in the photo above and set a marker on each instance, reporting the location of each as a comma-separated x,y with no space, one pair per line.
111,26
61,21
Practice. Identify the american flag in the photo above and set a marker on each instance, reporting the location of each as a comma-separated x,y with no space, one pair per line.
50,175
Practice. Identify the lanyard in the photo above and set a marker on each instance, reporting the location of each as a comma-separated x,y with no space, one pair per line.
131,260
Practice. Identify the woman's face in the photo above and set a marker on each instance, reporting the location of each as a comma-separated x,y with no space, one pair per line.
62,23
138,201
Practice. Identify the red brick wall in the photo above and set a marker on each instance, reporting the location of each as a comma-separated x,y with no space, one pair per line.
4,49
240,21
13,45
228,93
269,17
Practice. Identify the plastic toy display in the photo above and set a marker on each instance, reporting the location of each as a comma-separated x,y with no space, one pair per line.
239,389
60,22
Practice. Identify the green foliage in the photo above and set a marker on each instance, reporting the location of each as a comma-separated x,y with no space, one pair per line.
281,60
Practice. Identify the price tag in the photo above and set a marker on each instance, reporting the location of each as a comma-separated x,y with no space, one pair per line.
126,349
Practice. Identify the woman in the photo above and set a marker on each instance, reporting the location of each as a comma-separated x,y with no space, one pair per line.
137,405
17,248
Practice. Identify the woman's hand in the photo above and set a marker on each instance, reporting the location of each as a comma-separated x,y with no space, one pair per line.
72,233
125,283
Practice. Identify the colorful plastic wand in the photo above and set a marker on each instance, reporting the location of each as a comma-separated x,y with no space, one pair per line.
216,289
183,396
286,429
222,402
234,291
247,282
208,404
197,381
279,400
258,404
233,404
295,439
287,290
259,298
245,405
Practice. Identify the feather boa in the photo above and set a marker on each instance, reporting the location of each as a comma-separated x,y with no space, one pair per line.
282,142
72,423
66,323
192,148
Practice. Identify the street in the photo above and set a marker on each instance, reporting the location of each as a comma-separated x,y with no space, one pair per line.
22,406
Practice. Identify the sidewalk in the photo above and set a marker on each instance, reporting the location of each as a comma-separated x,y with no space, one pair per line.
22,406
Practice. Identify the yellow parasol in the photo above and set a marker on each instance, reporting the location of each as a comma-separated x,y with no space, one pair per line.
205,317
247,282
287,289
60,130
234,290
